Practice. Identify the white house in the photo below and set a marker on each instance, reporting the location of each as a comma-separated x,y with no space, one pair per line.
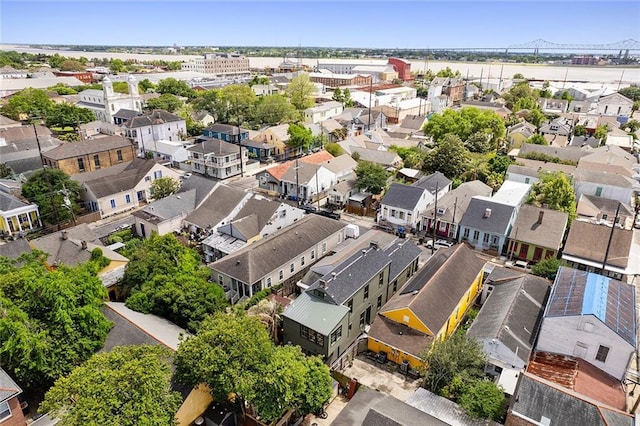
402,204
217,158
173,151
105,103
306,181
322,112
592,317
607,185
615,104
155,126
165,215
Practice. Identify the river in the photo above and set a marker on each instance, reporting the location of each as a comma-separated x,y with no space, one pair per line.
590,74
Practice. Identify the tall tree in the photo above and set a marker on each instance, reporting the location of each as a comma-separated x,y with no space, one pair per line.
214,102
348,101
240,101
337,95
145,86
601,132
482,399
175,87
537,139
555,191
27,103
62,195
163,187
371,177
450,157
128,386
300,91
166,101
71,65
117,66
67,115
300,137
275,109
465,123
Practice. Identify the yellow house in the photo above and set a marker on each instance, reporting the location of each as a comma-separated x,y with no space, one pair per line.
430,306
17,216
278,136
519,133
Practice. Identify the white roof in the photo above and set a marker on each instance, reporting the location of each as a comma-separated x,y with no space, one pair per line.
163,146
15,84
511,193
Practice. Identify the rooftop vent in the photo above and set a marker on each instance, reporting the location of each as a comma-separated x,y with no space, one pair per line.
487,212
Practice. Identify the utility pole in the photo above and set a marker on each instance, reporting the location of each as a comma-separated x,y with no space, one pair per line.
435,220
297,184
613,227
46,178
453,219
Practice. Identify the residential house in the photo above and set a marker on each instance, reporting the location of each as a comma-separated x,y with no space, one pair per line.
615,104
19,147
591,317
10,407
619,137
277,136
342,166
429,307
226,132
91,154
164,216
174,152
203,117
559,127
306,182
217,158
340,193
612,159
123,115
569,154
270,180
537,233
265,89
602,184
353,291
528,171
451,207
539,401
603,211
580,106
105,103
155,126
436,184
280,259
323,111
97,129
519,133
396,111
17,217
218,207
120,188
507,324
261,151
496,107
584,141
402,204
553,106
382,158
258,218
587,248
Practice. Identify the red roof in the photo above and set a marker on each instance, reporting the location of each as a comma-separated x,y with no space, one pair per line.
316,158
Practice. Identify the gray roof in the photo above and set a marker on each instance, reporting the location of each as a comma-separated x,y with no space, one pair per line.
385,158
540,227
315,313
303,175
6,121
255,261
523,170
373,408
216,207
252,218
87,147
126,179
23,139
155,117
441,408
168,207
8,388
433,181
496,223
536,398
215,147
67,251
580,141
9,202
15,249
588,241
414,122
201,184
124,332
512,313
402,196
568,153
26,164
604,178
126,113
225,128
458,200
605,205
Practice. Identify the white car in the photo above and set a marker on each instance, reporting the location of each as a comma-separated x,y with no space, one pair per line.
439,244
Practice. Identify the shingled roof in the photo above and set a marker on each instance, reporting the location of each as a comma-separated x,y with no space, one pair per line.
216,207
403,196
87,147
155,117
540,227
588,242
121,180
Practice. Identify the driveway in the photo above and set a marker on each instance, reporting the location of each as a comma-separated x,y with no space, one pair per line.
378,377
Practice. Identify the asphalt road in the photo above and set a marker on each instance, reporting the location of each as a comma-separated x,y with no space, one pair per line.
104,229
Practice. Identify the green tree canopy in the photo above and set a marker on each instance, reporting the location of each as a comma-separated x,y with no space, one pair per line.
300,91
482,399
537,139
27,103
601,132
50,320
412,157
145,86
371,177
175,87
536,117
334,149
117,65
518,92
631,92
547,267
555,191
499,164
300,136
166,101
579,130
51,198
275,109
167,279
447,72
62,89
465,123
214,102
129,386
67,115
71,65
5,171
240,102
163,187
450,157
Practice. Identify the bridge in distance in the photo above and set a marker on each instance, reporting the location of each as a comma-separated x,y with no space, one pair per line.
537,46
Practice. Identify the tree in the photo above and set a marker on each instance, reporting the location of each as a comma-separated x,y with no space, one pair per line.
268,312
499,164
411,157
334,149
71,65
214,102
175,87
348,102
482,399
300,137
478,142
145,86
240,101
128,386
547,268
448,73
5,171
300,91
337,95
630,126
275,109
67,115
50,321
555,191
450,157
631,92
518,76
117,65
163,187
536,117
371,177
194,128
521,90
457,355
579,130
166,101
62,89
27,103
601,132
167,279
52,198
537,139
465,123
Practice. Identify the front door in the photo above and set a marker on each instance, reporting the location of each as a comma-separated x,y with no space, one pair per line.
142,230
537,254
524,250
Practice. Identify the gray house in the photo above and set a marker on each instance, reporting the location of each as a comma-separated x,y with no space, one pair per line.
486,223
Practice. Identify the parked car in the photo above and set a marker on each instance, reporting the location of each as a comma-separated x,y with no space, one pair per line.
385,228
329,214
439,244
309,209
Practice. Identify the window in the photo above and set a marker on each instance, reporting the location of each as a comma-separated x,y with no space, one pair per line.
336,335
393,212
113,203
527,180
395,286
157,174
324,248
401,215
599,191
408,217
312,335
5,410
366,292
339,237
127,198
281,275
313,254
380,279
81,164
361,319
302,261
379,302
476,235
119,154
465,234
292,268
148,178
350,305
603,351
485,238
96,160
269,282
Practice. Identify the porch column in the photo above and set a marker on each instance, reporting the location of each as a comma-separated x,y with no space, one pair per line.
29,220
18,222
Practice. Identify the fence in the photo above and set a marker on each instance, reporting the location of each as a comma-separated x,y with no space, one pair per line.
357,347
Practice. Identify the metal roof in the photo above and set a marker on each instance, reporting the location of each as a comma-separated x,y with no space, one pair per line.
315,313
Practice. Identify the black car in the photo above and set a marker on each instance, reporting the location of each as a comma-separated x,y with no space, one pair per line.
329,214
308,209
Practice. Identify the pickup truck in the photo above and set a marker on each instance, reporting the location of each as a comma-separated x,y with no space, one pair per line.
439,244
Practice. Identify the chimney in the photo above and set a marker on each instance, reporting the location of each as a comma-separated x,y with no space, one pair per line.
65,235
374,245
84,245
540,216
323,284
487,213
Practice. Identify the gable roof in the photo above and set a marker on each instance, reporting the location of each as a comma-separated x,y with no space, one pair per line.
401,196
279,170
536,398
546,166
302,174
487,215
126,114
604,178
512,312
67,251
222,201
413,122
457,201
201,184
8,388
610,154
567,153
433,181
87,147
340,163
169,207
385,158
443,409
253,262
540,227
215,147
577,293
252,218
602,205
318,314
15,249
615,97
440,285
588,241
155,117
9,202
123,180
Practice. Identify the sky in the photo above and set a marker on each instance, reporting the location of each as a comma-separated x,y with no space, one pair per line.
360,23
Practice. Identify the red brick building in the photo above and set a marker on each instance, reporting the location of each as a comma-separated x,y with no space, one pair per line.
340,80
10,409
402,67
83,76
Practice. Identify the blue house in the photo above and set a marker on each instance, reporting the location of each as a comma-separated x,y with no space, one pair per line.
486,224
225,132
261,151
